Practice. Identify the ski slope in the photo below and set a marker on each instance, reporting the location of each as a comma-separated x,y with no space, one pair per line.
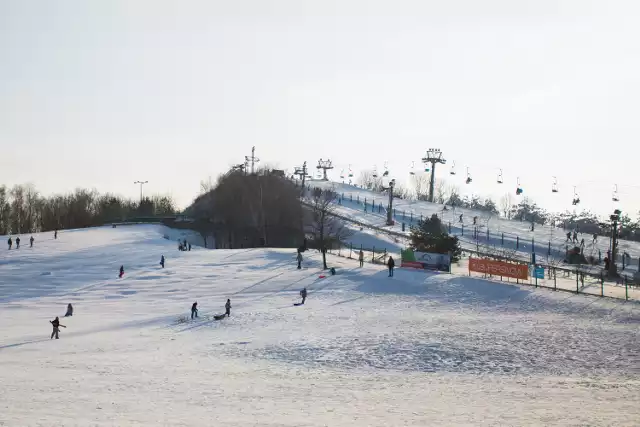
498,227
365,350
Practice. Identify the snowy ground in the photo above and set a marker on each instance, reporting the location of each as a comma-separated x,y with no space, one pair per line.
419,349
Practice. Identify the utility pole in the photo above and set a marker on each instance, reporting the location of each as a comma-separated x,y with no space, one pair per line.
253,159
392,184
141,184
614,243
324,165
302,172
434,156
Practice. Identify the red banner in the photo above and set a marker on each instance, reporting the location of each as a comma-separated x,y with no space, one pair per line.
499,268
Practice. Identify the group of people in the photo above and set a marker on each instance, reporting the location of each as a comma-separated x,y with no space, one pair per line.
194,309
10,242
184,245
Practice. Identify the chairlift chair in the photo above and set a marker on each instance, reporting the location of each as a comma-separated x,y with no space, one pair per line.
519,189
576,198
453,168
342,174
412,171
468,181
554,186
615,197
386,169
350,172
375,172
500,179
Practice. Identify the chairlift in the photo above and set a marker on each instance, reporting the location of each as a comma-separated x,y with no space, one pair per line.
342,174
500,179
615,197
412,171
350,172
554,186
576,198
375,172
453,168
386,169
519,189
468,181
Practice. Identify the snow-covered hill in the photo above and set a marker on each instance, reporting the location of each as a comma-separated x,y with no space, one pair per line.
493,230
365,350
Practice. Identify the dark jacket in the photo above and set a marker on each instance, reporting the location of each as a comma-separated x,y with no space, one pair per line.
55,322
194,307
391,263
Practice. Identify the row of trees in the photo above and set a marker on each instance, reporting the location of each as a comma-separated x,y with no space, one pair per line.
24,210
265,209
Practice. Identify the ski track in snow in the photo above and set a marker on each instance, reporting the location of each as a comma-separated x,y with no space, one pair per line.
418,349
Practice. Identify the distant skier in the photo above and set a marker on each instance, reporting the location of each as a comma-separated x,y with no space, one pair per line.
121,271
55,234
69,312
582,244
568,236
595,239
361,258
17,242
575,236
303,294
162,261
533,226
189,245
391,264
460,220
31,241
10,243
56,327
194,310
299,258
227,308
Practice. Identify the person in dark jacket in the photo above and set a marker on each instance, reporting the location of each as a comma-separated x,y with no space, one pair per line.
162,261
299,258
69,312
227,308
303,294
391,264
10,243
121,271
194,310
17,242
361,258
55,234
56,327
31,241
189,246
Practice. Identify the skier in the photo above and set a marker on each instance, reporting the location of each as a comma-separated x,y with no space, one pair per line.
391,264
56,327
162,261
227,308
303,294
194,310
189,247
361,258
55,234
568,236
606,263
31,241
10,243
17,242
121,271
595,239
69,312
299,258
575,236
460,218
582,244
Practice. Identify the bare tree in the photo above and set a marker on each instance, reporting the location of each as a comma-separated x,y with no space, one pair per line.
506,203
206,185
440,195
369,181
421,186
325,229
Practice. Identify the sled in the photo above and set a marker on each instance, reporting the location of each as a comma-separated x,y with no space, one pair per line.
297,304
219,316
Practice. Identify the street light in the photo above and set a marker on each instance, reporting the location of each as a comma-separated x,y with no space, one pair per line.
614,242
141,184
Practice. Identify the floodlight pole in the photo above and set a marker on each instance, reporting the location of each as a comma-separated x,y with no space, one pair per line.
141,184
392,184
434,156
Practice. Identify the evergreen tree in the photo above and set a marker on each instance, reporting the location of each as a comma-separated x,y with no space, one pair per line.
431,236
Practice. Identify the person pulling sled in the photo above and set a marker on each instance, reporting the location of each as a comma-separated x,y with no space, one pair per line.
303,294
56,327
227,308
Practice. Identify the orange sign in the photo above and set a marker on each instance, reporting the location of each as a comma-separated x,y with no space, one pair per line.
499,268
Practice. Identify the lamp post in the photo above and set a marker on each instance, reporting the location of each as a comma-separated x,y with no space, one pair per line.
614,242
141,184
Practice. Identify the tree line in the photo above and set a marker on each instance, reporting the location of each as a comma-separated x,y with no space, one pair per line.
24,210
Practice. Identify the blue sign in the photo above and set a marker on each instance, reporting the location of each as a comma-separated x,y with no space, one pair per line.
538,273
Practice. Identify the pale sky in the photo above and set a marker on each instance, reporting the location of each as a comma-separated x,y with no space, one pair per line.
103,93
